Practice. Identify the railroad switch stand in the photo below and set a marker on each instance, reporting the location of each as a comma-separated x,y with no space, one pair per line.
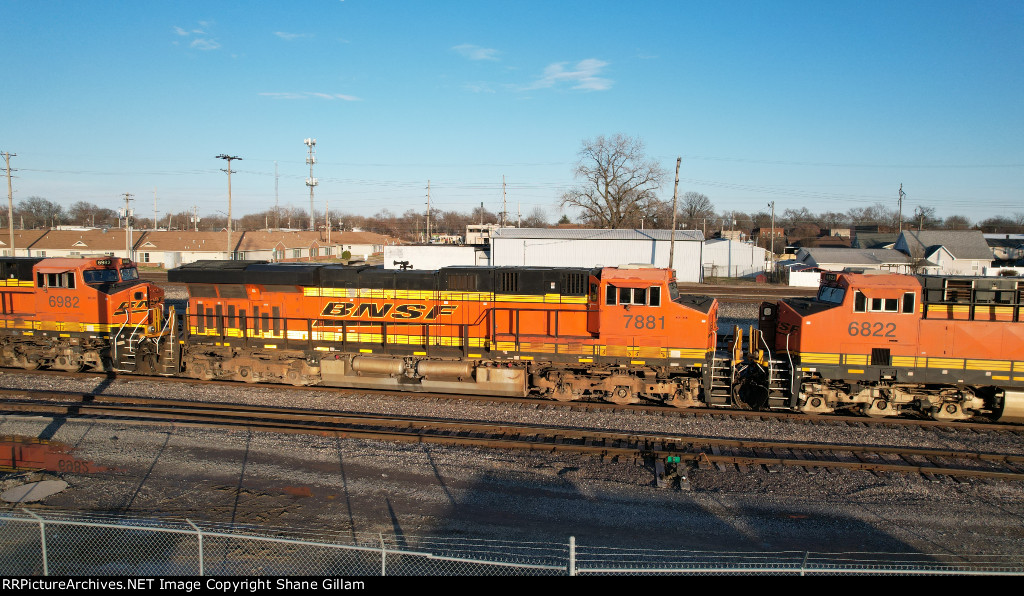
670,472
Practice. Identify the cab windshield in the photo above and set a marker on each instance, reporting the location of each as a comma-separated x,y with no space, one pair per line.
831,294
673,291
100,276
129,274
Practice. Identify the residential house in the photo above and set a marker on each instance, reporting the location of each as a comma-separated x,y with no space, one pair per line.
178,247
286,246
23,241
946,252
838,259
79,243
362,245
874,240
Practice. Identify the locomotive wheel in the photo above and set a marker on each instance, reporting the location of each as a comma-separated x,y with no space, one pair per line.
563,393
880,408
26,363
622,396
72,363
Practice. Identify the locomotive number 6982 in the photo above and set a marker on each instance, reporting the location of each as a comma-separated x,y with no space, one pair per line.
64,301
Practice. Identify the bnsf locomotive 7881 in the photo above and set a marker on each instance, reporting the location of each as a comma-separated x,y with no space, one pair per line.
881,345
620,334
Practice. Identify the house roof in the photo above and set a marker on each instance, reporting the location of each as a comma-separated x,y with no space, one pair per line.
874,240
857,256
260,240
595,234
962,244
361,238
86,241
186,241
22,238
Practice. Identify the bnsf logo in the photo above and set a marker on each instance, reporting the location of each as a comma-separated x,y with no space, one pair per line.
387,311
136,306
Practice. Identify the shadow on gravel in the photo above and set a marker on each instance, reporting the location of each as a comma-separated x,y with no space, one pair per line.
609,515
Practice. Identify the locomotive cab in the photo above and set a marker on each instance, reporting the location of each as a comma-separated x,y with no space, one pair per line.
640,308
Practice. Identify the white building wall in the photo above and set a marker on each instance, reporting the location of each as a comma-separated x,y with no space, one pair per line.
733,259
431,257
549,252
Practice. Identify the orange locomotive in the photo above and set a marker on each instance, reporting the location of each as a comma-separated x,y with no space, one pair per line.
73,314
947,347
621,334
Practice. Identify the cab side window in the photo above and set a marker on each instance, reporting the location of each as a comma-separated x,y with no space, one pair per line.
638,296
908,303
56,280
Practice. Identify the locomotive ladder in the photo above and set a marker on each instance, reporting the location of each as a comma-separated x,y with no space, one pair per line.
720,391
778,385
722,372
777,373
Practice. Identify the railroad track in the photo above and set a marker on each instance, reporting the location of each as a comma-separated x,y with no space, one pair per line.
670,455
747,294
579,406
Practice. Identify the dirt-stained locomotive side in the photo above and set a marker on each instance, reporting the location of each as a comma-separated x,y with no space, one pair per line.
943,346
73,314
621,334
950,348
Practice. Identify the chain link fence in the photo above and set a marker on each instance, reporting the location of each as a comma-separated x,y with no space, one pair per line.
75,544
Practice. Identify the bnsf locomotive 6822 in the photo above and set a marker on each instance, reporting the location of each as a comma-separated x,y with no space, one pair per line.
881,345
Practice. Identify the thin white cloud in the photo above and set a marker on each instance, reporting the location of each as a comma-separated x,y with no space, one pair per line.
479,87
198,37
204,44
474,52
290,36
309,95
584,76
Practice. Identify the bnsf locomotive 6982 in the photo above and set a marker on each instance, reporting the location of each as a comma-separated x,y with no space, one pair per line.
72,314
881,345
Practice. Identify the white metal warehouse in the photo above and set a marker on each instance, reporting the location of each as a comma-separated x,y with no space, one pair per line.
593,248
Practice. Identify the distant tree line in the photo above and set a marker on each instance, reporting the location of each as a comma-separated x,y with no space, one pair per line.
39,213
618,187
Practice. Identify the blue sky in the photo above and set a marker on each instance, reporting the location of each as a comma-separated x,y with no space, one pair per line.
825,105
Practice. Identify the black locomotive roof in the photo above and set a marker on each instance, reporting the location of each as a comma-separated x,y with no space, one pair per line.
514,280
211,272
18,267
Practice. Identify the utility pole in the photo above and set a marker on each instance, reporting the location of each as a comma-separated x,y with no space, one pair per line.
128,226
675,194
156,213
772,254
504,208
311,182
10,198
901,207
327,213
428,211
228,158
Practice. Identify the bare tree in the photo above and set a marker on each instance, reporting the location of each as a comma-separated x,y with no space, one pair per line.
925,218
957,222
39,212
696,207
619,182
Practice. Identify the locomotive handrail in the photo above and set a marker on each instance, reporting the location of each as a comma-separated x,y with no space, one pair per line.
202,321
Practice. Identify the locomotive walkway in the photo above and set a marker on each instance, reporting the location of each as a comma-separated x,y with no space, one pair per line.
667,454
